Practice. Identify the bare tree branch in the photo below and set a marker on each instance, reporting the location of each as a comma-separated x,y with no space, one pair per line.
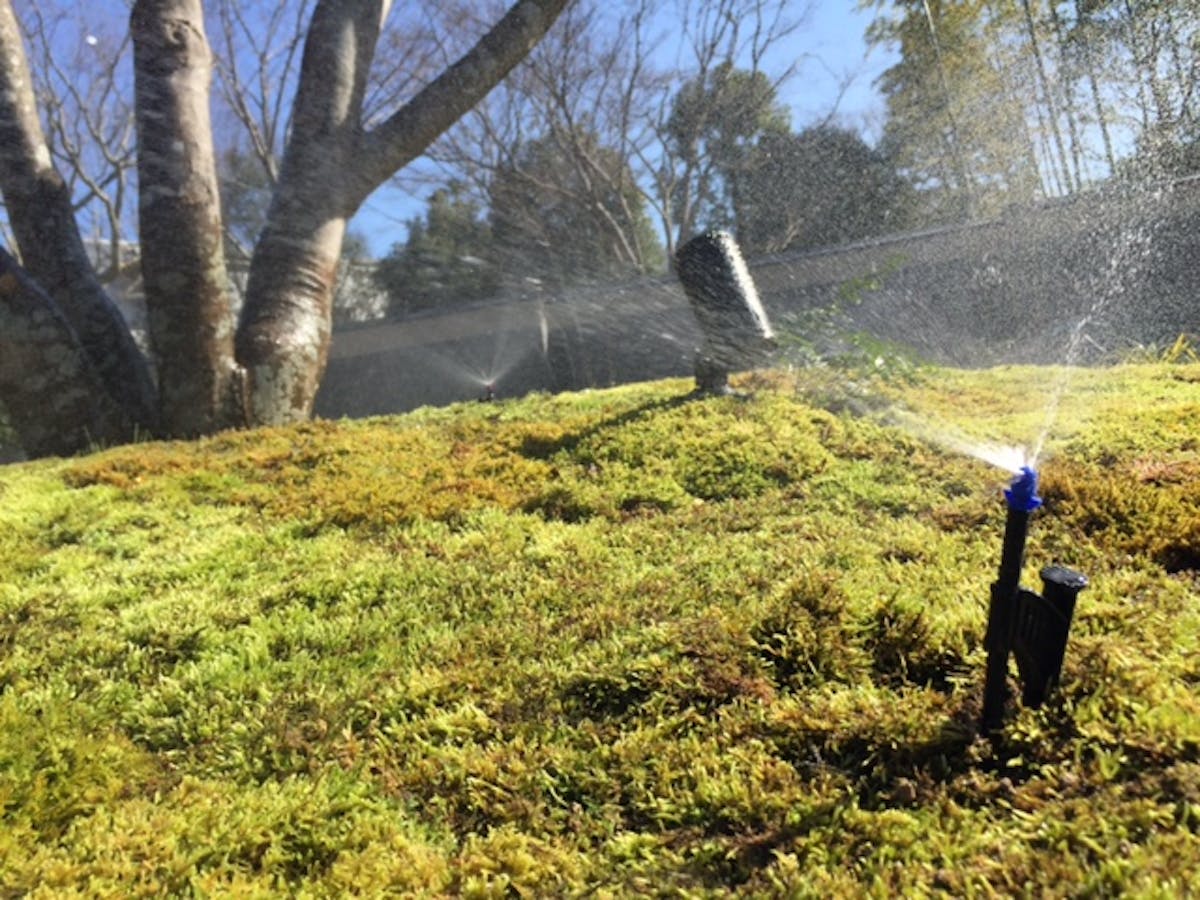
89,122
409,131
270,48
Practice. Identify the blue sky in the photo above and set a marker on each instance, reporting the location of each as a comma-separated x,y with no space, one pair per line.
834,37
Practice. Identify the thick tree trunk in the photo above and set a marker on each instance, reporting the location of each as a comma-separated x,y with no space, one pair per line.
283,340
179,218
283,343
53,395
40,214
329,169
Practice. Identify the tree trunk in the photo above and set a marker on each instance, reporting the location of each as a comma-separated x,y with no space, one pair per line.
1067,79
1091,37
329,168
964,180
42,219
179,219
1048,98
53,395
283,341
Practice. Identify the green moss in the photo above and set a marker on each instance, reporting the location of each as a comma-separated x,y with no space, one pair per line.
621,642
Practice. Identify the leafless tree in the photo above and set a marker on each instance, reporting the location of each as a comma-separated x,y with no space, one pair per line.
582,92
213,373
717,35
605,71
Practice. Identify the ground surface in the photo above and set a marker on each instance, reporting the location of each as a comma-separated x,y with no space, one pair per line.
613,642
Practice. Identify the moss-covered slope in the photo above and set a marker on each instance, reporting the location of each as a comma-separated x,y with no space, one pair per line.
620,642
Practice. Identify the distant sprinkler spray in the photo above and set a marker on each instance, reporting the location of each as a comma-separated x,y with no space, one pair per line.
737,333
1031,626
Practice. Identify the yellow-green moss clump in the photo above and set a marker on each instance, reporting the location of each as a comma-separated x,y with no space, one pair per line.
621,642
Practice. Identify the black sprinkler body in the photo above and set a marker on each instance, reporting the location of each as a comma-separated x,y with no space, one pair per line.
1033,627
737,333
489,392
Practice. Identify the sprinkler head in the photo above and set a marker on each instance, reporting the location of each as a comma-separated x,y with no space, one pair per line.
1030,626
737,333
489,392
1040,635
1022,493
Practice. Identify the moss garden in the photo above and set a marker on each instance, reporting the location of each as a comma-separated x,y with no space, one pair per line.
617,643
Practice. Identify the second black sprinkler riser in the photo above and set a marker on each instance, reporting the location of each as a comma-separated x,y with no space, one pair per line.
737,333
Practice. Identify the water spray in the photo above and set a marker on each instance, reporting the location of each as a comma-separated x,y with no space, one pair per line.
737,333
1033,627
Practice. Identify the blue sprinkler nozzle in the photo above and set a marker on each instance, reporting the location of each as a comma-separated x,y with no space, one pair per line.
1022,493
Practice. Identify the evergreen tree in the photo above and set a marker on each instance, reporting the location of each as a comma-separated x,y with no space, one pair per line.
566,210
956,107
446,260
245,196
716,121
821,187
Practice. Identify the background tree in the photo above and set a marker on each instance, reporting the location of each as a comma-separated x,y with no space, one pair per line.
956,128
819,188
335,156
1160,43
246,187
602,73
726,44
717,120
994,102
551,221
79,67
446,260
581,96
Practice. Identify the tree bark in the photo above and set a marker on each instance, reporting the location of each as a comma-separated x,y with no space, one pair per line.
329,168
1069,184
53,395
283,341
42,219
1091,34
179,219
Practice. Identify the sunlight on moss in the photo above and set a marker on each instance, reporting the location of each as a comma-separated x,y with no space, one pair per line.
620,641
